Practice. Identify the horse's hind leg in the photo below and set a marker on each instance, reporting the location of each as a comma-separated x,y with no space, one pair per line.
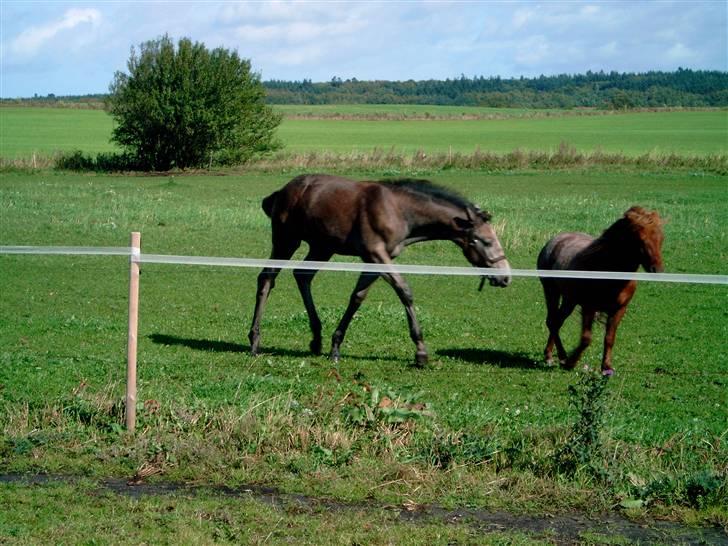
304,277
357,297
283,249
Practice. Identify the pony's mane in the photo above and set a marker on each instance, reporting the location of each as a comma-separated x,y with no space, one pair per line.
427,189
646,224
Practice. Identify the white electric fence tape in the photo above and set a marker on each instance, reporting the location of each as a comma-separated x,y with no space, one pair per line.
143,258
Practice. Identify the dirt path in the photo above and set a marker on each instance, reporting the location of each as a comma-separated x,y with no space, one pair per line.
562,529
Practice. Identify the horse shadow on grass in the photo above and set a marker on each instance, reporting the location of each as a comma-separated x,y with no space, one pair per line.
493,357
212,346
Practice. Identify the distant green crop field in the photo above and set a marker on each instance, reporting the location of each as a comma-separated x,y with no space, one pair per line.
24,131
630,134
405,110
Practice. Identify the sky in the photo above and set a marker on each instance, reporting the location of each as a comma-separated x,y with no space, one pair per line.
74,48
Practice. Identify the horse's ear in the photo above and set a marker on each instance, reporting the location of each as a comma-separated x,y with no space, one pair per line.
463,223
478,214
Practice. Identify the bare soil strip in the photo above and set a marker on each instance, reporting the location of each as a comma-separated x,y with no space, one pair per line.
561,529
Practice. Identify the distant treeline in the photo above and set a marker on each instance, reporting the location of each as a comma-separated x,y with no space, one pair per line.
683,88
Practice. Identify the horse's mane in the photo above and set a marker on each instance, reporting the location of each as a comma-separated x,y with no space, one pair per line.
427,189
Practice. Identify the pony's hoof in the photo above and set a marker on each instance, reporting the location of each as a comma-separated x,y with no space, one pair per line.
315,346
609,372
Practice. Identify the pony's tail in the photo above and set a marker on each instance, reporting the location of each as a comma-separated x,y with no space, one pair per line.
268,203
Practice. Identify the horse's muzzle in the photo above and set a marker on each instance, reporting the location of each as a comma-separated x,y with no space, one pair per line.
502,280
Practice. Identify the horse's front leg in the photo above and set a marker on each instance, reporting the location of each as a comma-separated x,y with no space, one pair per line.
609,337
357,297
405,296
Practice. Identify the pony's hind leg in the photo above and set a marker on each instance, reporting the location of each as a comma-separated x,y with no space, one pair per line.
304,277
283,249
554,322
552,296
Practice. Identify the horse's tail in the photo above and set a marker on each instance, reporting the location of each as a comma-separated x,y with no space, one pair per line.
268,203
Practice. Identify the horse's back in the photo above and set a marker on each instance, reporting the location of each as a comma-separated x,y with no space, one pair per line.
559,251
324,210
301,195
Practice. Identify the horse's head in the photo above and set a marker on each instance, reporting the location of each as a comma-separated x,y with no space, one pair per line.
647,226
480,244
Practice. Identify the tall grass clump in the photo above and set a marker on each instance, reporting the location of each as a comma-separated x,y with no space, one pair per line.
584,447
565,157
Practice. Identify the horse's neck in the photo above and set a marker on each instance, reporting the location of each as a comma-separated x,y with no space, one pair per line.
430,221
608,253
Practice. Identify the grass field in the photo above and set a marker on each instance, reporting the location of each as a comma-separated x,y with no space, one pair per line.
43,131
482,424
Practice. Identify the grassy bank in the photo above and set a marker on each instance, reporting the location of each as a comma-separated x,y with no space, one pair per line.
483,426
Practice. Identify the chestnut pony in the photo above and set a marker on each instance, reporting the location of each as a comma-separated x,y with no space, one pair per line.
375,221
633,240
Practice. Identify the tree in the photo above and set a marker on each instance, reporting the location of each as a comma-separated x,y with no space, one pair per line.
190,107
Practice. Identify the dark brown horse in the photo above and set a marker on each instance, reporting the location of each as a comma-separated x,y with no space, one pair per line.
375,221
633,240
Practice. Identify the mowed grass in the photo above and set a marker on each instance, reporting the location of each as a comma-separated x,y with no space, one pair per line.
25,131
494,414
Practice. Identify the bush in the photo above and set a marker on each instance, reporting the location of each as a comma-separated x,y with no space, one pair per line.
187,106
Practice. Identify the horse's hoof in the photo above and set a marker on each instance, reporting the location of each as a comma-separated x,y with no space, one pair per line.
421,360
334,356
315,346
609,372
254,343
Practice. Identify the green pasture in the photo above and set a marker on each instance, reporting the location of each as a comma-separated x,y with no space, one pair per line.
44,131
490,415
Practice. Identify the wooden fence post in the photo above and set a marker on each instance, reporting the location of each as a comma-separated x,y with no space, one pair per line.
131,347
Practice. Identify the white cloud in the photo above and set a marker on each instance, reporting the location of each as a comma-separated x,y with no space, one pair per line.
522,17
680,52
31,40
